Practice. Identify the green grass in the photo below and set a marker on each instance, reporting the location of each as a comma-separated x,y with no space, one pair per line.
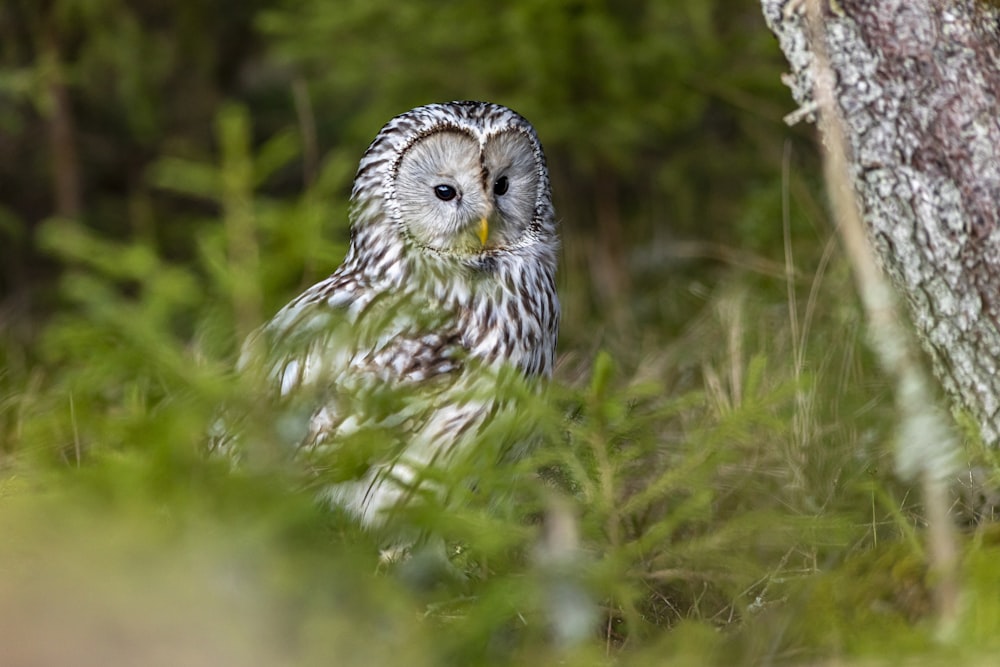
713,485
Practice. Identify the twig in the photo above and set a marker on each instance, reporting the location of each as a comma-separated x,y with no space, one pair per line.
926,448
76,430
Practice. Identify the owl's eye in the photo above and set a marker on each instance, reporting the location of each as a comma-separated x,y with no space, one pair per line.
445,192
501,185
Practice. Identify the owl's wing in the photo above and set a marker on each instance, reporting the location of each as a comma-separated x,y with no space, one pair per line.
342,357
342,332
307,340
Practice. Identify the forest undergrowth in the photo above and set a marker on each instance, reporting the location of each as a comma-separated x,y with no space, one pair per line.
715,491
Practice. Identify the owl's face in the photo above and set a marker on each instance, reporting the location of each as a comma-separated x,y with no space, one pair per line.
458,194
464,179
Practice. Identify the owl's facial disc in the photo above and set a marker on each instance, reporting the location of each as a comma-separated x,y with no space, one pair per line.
510,162
461,198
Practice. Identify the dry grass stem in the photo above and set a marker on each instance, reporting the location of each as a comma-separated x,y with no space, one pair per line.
926,448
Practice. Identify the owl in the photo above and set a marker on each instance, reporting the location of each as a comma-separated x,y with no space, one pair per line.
446,294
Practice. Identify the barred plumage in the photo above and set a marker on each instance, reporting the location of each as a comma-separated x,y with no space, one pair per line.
449,279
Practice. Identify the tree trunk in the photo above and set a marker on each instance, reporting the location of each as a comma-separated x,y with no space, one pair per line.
62,131
917,84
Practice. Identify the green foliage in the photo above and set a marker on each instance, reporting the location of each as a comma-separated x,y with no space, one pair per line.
709,484
702,527
686,514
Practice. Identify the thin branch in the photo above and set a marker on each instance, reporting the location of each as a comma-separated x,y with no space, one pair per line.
926,448
62,131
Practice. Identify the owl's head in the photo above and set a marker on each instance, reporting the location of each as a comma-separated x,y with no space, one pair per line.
465,179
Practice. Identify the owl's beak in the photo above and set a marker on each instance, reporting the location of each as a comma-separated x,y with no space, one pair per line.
483,230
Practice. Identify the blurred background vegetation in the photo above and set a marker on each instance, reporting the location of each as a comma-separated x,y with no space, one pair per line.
173,172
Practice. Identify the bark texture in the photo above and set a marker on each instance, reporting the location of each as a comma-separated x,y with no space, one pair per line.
917,83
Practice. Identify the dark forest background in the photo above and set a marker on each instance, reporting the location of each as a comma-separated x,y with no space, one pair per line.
661,121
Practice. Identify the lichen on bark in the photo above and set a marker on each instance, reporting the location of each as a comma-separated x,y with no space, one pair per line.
917,84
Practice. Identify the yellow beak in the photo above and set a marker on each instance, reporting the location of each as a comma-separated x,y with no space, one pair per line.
483,231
